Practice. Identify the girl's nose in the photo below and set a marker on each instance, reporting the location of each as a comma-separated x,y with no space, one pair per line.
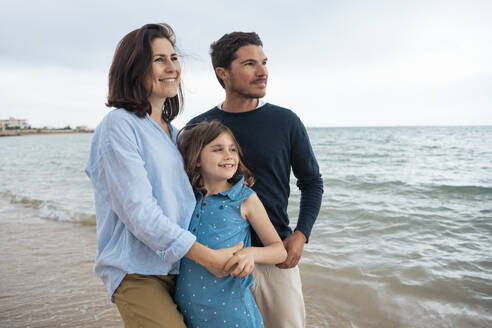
228,154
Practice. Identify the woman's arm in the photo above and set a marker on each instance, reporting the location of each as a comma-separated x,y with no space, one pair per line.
122,176
213,260
273,252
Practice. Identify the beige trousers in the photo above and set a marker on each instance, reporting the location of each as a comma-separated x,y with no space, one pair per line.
278,294
147,302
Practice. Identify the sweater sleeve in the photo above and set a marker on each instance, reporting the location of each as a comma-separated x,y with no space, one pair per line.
309,181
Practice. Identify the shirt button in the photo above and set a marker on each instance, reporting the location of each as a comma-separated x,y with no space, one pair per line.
204,204
194,229
221,207
197,215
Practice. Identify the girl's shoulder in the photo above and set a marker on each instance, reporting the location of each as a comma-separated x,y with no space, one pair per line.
246,192
239,190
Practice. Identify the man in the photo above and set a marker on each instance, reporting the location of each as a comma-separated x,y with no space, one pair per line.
274,141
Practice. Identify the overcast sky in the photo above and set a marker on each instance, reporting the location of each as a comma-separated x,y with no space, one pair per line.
335,63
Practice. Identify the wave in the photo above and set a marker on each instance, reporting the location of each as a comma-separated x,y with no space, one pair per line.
49,210
469,190
22,200
398,186
358,183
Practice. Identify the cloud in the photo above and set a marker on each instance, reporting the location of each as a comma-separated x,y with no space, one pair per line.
53,96
334,63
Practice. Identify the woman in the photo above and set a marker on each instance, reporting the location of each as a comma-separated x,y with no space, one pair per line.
143,198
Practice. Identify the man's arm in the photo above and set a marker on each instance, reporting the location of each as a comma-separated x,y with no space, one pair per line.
309,182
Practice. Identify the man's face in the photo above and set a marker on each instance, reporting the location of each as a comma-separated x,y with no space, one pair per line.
247,76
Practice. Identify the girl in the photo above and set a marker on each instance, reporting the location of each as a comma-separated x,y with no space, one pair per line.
225,209
143,197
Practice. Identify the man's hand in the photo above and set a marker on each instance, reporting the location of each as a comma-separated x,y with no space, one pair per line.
294,244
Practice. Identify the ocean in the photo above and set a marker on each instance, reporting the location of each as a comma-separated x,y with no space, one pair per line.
403,238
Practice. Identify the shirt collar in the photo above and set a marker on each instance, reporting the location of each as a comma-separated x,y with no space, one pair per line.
261,102
234,192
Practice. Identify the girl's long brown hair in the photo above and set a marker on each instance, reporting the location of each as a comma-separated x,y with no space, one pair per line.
191,141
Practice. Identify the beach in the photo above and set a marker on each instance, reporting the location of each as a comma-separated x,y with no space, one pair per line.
47,274
402,238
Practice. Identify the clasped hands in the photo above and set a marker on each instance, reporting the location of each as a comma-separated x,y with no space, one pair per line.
239,262
236,261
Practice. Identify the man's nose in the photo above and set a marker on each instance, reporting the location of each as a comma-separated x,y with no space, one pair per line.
261,70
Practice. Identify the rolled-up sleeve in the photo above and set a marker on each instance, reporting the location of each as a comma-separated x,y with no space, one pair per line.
126,180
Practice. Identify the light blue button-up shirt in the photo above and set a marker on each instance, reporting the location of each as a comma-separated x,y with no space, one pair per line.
143,198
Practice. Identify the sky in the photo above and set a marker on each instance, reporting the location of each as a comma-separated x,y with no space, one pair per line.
334,63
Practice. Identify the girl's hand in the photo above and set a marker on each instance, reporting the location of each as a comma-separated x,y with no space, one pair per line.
221,258
241,264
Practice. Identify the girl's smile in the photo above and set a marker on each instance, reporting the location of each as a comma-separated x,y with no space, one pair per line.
219,159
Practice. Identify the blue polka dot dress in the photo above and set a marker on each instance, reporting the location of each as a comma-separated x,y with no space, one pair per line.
203,299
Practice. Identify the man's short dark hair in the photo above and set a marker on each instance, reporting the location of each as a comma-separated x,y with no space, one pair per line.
223,51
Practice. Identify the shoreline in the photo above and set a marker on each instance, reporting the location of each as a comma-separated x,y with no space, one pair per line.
47,273
26,132
48,278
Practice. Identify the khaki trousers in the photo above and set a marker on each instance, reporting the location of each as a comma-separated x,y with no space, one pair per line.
148,302
278,294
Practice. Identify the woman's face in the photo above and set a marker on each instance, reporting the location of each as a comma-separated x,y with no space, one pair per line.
163,81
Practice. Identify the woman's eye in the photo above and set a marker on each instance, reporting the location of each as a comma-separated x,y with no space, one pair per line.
174,58
158,59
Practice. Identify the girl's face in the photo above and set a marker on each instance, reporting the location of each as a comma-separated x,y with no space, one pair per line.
219,159
163,81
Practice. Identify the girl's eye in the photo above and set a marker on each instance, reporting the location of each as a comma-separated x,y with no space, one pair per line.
234,150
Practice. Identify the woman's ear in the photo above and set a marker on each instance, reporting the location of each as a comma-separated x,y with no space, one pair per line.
198,163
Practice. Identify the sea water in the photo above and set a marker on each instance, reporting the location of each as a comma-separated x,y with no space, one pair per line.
403,238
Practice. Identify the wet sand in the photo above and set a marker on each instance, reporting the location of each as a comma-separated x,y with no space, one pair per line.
47,278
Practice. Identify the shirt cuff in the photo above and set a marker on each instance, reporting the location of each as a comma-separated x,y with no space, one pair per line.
178,249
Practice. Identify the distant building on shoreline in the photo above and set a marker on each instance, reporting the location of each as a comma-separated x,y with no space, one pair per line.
20,127
13,123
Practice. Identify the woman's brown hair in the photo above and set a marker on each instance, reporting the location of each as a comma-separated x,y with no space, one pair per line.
191,141
131,65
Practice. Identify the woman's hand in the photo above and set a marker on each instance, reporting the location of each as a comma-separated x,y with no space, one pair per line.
221,258
242,263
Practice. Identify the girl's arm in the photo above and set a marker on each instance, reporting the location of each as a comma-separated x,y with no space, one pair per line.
242,263
213,260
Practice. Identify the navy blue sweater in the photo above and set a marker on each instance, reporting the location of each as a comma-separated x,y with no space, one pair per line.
274,140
